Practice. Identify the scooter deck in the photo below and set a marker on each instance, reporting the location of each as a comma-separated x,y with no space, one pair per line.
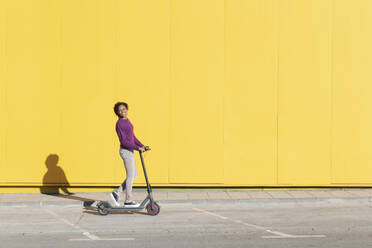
124,209
110,208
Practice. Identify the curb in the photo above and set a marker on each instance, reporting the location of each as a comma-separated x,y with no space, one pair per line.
254,202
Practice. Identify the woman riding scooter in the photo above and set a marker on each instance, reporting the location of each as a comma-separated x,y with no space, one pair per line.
128,143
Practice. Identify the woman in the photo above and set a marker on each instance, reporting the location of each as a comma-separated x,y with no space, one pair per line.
128,143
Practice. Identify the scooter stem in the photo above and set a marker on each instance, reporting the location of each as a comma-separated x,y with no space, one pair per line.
149,190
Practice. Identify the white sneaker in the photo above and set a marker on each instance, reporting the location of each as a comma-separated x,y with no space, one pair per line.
115,198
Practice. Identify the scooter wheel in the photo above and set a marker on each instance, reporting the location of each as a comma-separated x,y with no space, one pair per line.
153,208
102,209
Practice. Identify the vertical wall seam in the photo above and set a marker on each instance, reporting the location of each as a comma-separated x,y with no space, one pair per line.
60,92
276,28
5,85
170,89
98,64
116,47
330,65
223,92
2,94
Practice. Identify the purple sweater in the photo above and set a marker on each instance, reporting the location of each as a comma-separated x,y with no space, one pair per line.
128,140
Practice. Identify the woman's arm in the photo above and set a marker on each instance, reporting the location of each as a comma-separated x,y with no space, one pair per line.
137,142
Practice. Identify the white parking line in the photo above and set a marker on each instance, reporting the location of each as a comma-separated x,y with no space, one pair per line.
277,234
84,232
91,237
210,213
293,236
112,239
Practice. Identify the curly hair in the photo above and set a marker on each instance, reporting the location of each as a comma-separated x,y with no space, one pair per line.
117,105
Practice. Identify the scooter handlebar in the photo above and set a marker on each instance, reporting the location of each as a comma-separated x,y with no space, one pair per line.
146,149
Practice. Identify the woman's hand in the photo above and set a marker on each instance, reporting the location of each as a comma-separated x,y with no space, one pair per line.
144,148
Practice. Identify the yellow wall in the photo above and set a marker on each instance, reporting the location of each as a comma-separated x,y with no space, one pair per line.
227,93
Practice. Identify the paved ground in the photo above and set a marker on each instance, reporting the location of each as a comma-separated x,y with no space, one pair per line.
196,195
330,218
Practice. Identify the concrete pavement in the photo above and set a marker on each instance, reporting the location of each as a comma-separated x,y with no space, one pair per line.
332,219
199,195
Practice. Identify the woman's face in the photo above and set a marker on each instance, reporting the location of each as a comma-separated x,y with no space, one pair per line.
123,111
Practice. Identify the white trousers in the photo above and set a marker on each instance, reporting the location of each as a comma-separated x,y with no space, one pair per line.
131,171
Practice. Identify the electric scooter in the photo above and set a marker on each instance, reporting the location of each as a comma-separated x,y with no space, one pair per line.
152,207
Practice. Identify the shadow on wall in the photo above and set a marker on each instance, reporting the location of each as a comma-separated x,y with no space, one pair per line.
55,178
